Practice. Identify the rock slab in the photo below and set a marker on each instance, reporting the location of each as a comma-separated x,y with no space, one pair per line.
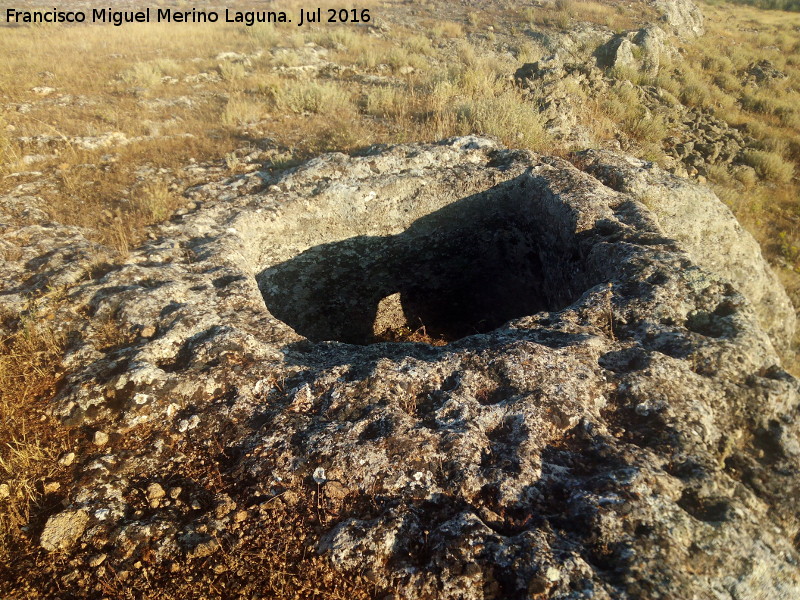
607,419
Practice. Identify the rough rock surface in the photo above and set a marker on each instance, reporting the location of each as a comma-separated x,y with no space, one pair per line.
588,66
707,230
40,257
609,419
643,50
701,140
698,140
63,529
554,83
683,17
761,72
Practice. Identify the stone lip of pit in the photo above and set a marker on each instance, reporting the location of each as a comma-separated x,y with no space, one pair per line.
466,268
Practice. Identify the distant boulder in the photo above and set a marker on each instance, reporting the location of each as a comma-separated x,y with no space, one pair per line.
643,50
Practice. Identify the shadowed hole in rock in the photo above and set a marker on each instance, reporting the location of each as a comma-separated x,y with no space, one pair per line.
467,268
710,510
708,324
769,441
503,441
377,429
625,361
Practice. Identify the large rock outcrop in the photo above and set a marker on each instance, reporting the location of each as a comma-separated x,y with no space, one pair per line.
706,229
608,419
593,67
698,140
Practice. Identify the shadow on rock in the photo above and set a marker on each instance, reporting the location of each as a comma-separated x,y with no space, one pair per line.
464,269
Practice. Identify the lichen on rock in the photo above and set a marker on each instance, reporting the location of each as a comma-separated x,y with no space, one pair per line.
63,529
609,417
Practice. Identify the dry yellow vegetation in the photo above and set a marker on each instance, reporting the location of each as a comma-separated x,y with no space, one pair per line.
30,366
739,37
744,72
196,93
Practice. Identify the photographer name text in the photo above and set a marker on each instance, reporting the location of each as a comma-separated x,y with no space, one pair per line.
118,18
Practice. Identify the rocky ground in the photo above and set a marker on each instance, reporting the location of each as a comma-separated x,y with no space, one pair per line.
608,408
442,370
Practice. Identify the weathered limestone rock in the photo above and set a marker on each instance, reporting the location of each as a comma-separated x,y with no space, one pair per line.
683,17
558,89
63,529
555,87
35,259
573,43
642,50
707,230
763,71
608,420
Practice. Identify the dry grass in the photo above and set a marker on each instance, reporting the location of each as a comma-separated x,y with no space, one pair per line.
793,5
172,96
447,29
717,76
406,335
109,95
562,14
770,166
505,116
767,110
722,74
30,441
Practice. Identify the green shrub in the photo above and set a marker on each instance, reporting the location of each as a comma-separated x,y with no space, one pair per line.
746,176
265,35
695,95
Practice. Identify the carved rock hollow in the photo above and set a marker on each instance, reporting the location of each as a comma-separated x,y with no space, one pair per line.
608,420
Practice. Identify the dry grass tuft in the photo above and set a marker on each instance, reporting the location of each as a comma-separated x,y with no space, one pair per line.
30,441
408,335
505,116
770,166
